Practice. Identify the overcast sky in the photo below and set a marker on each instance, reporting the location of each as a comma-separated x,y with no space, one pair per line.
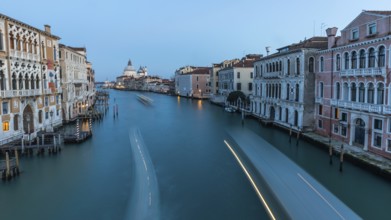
166,35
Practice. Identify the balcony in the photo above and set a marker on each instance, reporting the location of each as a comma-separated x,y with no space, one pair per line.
358,106
319,100
270,75
24,55
20,93
378,71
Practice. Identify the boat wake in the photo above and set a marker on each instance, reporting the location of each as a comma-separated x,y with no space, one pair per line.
144,194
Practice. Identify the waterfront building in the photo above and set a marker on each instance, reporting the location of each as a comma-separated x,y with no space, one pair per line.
129,77
353,90
284,85
237,76
193,82
214,74
77,93
30,92
91,91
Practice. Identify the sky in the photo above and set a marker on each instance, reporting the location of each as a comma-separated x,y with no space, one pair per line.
166,35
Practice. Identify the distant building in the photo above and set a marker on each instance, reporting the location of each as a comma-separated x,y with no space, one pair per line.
284,84
237,76
353,90
214,74
130,76
193,82
76,82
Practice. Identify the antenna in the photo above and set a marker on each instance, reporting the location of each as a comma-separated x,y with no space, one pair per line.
267,50
321,28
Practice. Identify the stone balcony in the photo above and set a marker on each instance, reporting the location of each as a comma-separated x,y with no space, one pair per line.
270,75
378,71
360,106
24,55
20,93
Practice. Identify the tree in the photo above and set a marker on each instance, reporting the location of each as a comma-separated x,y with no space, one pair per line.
235,95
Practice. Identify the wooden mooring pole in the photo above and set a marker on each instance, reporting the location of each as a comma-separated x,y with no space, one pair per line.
341,159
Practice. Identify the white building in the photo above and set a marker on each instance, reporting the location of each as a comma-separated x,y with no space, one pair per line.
74,82
284,85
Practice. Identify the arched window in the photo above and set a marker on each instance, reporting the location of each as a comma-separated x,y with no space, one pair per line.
1,41
345,92
353,90
311,65
32,82
346,58
296,122
280,69
2,79
380,94
12,41
321,64
261,70
362,59
354,60
279,91
286,115
43,50
361,92
382,57
27,82
274,67
37,83
338,62
280,113
287,91
14,82
320,92
17,42
337,91
371,58
298,66
371,93
16,122
20,81
256,72
54,53
288,63
44,82
297,92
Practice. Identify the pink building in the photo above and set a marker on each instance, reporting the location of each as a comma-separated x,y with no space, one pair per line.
352,93
194,83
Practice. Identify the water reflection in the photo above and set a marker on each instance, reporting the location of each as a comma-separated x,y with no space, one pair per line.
199,104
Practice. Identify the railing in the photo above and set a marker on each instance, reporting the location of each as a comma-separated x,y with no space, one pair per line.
378,71
319,100
20,93
277,74
17,135
358,106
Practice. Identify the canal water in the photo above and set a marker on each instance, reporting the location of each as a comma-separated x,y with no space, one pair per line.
197,176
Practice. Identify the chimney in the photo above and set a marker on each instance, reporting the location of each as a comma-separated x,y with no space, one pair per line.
331,32
47,29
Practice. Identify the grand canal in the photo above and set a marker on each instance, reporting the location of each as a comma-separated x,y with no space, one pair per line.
197,176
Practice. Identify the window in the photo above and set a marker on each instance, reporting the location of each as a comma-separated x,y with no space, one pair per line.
378,124
321,89
362,59
1,41
371,93
16,122
286,115
380,94
6,126
343,130
344,117
338,91
5,107
354,60
238,75
40,116
388,145
346,58
287,91
371,58
251,75
377,139
250,86
238,86
336,129
46,101
354,34
297,92
372,29
311,65
361,92
298,66
321,64
338,63
336,113
288,67
197,78
320,124
320,110
353,90
381,55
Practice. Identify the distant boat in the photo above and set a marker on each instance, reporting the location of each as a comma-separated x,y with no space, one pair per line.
144,99
229,109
